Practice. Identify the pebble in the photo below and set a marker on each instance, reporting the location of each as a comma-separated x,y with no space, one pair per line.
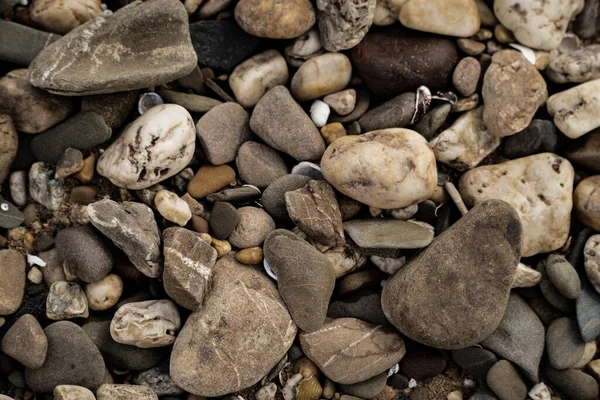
413,305
18,187
53,272
223,219
125,392
66,300
23,43
282,124
586,203
539,187
43,189
591,255
342,26
114,108
191,102
314,209
563,276
210,8
505,382
221,45
163,142
251,79
253,228
189,264
348,350
342,102
364,304
526,277
239,195
367,389
69,163
474,360
305,278
564,345
362,104
319,113
578,66
536,25
586,155
9,143
199,224
539,137
82,131
105,293
120,355
431,122
395,113
350,166
26,342
250,256
32,110
386,12
72,392
84,253
453,18
210,179
466,143
70,66
259,165
587,308
12,284
35,276
422,362
304,48
574,384
513,90
145,324
273,198
575,110
540,392
83,194
68,345
550,293
63,17
321,75
158,380
470,47
87,172
275,19
223,247
243,323
411,59
132,228
333,131
172,207
466,76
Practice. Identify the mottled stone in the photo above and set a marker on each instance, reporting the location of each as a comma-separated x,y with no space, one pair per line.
466,76
69,163
9,142
275,19
159,380
72,392
145,324
64,16
12,284
43,189
26,342
172,207
125,392
84,253
304,48
105,293
444,17
259,164
575,110
66,300
580,65
343,24
253,228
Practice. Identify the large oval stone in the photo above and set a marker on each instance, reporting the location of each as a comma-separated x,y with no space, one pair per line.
242,330
454,293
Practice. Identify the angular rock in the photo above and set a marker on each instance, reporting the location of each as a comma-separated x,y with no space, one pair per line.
84,253
145,324
504,380
125,392
69,163
343,24
275,19
574,384
223,219
587,307
413,305
21,43
26,342
241,332
305,278
72,359
259,164
390,168
348,350
395,113
519,337
189,262
513,90
563,276
282,124
273,198
475,361
253,228
132,228
539,137
575,110
66,300
114,108
564,344
172,208
454,18
12,284
71,65
539,187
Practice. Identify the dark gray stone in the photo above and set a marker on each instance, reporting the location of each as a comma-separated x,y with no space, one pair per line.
273,198
573,384
564,344
586,152
394,113
223,219
242,194
587,308
539,137
20,44
475,361
84,253
259,165
364,305
432,121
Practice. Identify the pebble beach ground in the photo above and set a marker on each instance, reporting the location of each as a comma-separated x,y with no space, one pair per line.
299,200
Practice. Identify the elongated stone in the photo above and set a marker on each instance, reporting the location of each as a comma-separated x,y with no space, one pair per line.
20,44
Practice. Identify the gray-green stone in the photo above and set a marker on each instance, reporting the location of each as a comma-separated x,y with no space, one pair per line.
588,313
10,216
564,344
20,44
563,276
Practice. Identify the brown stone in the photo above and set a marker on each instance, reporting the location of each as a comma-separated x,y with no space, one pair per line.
86,174
587,153
275,19
12,284
84,194
466,76
332,131
210,179
9,143
250,256
26,342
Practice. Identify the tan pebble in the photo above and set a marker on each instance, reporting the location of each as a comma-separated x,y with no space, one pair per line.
105,293
342,102
439,195
62,16
328,388
173,208
28,242
250,256
83,194
191,6
586,202
456,395
309,389
321,75
542,59
206,237
86,174
466,103
72,392
222,246
483,35
210,179
470,46
503,35
275,19
35,275
195,207
593,369
306,367
332,132
389,393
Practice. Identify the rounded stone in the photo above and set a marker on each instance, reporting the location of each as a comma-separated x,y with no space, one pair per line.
591,253
474,360
250,256
66,300
26,342
564,345
575,384
259,164
273,198
253,228
445,17
366,389
210,179
105,293
12,284
275,19
84,253
466,76
114,108
72,392
505,382
223,219
321,75
172,207
390,168
422,362
563,276
586,201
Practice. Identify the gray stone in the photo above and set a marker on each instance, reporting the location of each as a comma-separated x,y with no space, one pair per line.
114,108
241,332
69,163
587,308
244,194
189,263
223,219
519,337
71,65
54,271
222,131
466,76
314,209
573,384
364,305
474,360
414,306
125,392
563,276
483,393
12,216
72,359
21,44
432,121
26,342
132,228
259,164
192,102
84,253
343,24
564,344
282,124
273,198
586,22
366,389
82,131
305,277
386,237
18,187
394,113
544,310
12,284
550,293
539,137
348,350
158,379
253,228
505,382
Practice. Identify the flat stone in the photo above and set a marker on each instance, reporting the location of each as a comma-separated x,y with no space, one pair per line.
82,131
273,198
348,350
563,276
22,43
587,307
244,194
84,253
68,345
253,228
453,18
223,219
210,179
366,389
364,305
66,300
395,113
125,392
471,47
587,155
189,262
519,337
575,110
539,187
259,165
282,124
114,108
539,137
413,305
505,382
513,90
12,284
574,384
132,228
191,102
564,344
474,360
222,131
71,65
305,278
26,342
243,324
275,19
466,76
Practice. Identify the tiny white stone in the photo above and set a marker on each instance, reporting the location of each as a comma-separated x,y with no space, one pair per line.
35,260
540,392
319,112
35,276
412,383
526,51
394,370
468,383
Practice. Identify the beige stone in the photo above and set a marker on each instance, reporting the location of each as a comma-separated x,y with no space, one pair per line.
125,392
105,293
275,19
222,246
172,207
576,111
445,17
333,131
586,201
62,16
386,11
250,256
591,255
341,102
73,392
87,172
539,187
320,76
526,277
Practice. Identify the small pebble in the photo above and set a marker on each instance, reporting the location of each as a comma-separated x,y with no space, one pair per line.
319,113
69,163
105,293
321,75
35,276
466,76
83,194
18,187
470,47
222,246
333,131
172,207
86,174
66,300
342,102
26,342
210,179
72,392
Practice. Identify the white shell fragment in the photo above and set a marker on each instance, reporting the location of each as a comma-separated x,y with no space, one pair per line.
35,260
319,112
269,270
309,169
540,392
526,51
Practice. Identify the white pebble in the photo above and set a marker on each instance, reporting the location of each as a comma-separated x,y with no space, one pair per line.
412,383
319,112
172,207
105,293
35,276
540,392
388,265
18,187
